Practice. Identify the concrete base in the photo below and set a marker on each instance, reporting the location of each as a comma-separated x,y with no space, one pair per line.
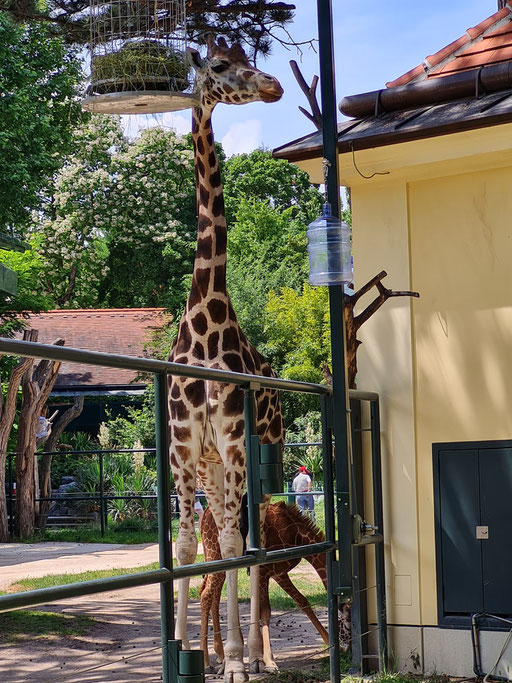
429,650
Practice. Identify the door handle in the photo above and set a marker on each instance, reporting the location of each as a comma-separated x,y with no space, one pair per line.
482,533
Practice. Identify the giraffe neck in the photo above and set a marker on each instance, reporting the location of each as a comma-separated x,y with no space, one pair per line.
209,276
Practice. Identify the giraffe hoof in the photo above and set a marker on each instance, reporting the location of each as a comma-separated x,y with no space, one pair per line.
270,668
236,677
256,666
218,668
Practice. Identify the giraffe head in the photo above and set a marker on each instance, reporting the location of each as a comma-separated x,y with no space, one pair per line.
226,75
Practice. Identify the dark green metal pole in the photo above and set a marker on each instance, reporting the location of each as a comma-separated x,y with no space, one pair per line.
378,516
341,418
102,499
330,536
253,480
164,519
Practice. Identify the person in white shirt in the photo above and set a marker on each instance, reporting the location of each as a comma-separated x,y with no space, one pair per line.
302,484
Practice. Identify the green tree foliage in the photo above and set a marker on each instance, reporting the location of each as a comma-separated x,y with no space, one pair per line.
28,266
259,177
297,330
266,251
137,428
269,203
39,106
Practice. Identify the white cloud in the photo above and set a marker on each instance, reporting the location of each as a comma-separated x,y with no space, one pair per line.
242,137
182,124
133,123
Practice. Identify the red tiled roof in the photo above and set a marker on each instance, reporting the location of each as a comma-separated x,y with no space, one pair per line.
489,42
119,330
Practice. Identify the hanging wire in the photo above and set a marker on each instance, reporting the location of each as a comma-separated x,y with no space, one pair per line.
367,177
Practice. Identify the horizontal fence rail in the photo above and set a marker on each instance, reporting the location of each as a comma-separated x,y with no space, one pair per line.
62,353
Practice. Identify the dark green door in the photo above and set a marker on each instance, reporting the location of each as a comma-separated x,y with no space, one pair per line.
475,529
496,514
460,515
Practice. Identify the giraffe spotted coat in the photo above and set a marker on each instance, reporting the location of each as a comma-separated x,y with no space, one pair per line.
206,418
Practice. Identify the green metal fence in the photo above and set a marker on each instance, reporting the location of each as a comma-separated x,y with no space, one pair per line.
341,580
166,575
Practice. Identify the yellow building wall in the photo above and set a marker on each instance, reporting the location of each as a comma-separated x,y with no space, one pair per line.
461,255
385,359
442,363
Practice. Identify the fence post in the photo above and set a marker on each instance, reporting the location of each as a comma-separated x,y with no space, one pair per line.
378,517
9,500
164,521
102,500
253,475
330,536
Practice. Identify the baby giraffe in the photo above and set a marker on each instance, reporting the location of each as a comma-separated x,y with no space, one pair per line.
285,527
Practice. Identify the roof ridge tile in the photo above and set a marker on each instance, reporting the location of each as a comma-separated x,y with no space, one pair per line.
459,47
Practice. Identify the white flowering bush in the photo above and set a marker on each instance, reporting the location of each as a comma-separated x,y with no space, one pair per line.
71,238
120,227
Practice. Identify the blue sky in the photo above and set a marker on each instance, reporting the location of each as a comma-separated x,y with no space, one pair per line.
374,42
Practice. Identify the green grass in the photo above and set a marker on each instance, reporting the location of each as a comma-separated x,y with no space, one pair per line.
51,580
24,625
319,673
121,534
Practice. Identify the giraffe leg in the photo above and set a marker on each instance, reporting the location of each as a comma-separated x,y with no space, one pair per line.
211,589
217,637
186,543
268,657
231,545
255,639
301,601
204,595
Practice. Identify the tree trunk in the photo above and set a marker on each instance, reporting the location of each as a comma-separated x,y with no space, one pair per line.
7,414
36,387
46,461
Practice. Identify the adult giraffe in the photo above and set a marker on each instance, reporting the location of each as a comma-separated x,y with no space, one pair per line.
206,418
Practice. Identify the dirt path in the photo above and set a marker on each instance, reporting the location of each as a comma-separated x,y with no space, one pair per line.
124,643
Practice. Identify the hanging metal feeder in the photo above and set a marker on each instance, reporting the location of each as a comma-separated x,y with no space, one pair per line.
138,57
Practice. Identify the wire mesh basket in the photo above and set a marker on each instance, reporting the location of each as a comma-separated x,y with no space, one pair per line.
138,57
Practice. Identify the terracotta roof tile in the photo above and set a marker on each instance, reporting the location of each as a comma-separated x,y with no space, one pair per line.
123,331
437,57
486,43
480,28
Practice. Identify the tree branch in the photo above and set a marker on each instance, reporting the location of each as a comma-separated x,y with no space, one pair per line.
384,295
310,91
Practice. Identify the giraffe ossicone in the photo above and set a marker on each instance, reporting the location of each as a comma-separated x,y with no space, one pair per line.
206,418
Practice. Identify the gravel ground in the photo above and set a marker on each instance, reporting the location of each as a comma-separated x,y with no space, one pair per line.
124,643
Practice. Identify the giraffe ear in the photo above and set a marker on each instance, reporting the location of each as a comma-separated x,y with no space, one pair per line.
195,58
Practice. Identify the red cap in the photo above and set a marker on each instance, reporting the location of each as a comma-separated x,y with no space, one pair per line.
302,469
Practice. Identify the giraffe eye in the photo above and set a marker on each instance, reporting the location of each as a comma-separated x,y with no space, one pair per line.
220,67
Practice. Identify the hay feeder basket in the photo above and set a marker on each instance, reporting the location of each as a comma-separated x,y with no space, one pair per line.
138,57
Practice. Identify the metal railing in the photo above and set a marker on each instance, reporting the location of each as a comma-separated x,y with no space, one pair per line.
102,497
166,574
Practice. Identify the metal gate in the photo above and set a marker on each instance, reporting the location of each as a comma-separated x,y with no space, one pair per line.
339,505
